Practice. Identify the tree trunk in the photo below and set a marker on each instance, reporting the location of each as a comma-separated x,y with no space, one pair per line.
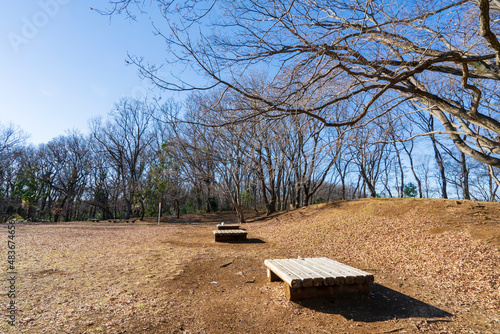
440,163
401,170
128,209
208,208
369,183
199,201
69,210
297,197
142,209
493,177
414,172
465,174
240,214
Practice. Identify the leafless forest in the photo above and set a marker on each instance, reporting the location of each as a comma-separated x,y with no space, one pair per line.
288,103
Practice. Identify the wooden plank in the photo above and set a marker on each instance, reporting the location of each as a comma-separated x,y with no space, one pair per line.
228,227
287,275
299,265
310,276
353,270
305,275
366,277
284,273
351,275
320,271
230,235
230,232
348,277
272,276
338,278
341,276
326,277
329,291
307,278
329,277
318,277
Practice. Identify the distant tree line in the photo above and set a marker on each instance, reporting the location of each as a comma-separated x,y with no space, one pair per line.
346,65
293,103
204,156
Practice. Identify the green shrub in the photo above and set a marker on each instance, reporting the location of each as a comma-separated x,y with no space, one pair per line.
319,200
17,218
410,190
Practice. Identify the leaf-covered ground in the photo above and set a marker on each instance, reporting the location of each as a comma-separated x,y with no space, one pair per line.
436,265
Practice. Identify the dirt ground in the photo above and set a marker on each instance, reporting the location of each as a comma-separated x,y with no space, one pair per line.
436,265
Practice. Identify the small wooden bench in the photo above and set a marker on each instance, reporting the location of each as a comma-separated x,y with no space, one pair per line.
228,227
318,277
130,220
230,235
95,220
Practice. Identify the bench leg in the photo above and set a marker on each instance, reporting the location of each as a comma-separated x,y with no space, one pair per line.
222,237
331,291
272,276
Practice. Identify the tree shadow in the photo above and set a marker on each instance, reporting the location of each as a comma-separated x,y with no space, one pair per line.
381,304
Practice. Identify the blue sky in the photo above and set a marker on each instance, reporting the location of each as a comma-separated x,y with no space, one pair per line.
62,64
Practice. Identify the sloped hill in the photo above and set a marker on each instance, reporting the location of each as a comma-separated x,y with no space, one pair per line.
436,249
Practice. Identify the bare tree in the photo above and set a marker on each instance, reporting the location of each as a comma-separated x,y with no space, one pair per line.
11,137
12,140
268,158
459,177
314,155
126,140
72,161
100,184
369,156
444,56
25,186
483,185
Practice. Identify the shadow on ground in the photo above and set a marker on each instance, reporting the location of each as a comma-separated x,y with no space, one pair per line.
382,304
246,241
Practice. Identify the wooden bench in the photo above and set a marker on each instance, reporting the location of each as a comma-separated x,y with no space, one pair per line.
230,235
95,220
318,277
228,227
130,220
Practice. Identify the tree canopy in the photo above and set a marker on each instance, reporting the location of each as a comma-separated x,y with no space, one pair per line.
441,57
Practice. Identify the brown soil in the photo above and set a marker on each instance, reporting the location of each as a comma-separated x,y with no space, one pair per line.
436,265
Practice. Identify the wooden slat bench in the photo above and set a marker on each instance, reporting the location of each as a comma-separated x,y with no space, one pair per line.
228,227
230,235
318,277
